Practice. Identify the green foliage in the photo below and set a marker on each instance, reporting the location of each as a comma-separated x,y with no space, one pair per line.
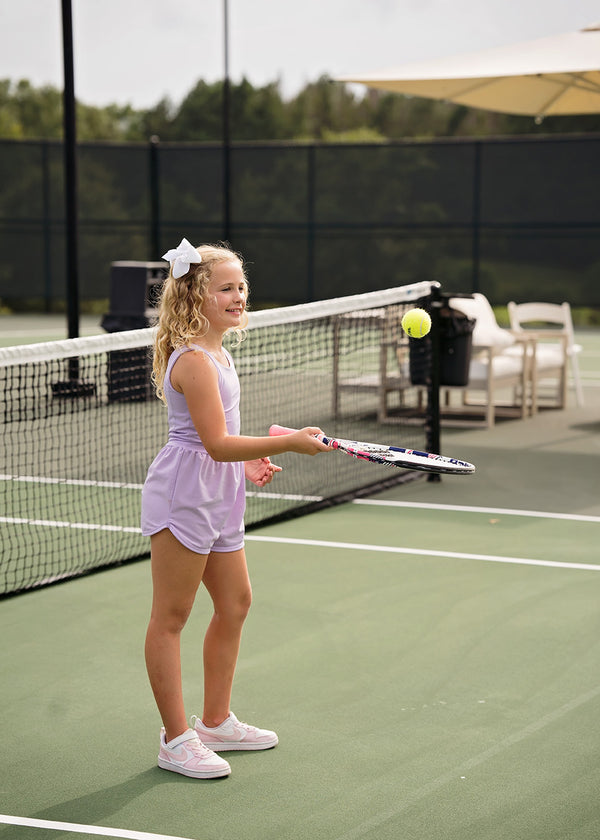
355,135
27,112
324,111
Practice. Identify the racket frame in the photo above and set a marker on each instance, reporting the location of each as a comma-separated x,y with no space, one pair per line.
392,456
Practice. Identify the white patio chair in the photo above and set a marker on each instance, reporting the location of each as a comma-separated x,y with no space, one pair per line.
500,362
552,326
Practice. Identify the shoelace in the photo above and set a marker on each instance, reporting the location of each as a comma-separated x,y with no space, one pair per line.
195,746
246,726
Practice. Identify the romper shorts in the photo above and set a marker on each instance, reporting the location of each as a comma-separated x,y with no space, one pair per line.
201,501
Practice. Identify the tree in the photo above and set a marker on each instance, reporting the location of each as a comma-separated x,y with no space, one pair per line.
157,121
33,112
199,116
324,110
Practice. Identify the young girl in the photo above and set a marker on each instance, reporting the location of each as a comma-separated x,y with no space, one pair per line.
193,505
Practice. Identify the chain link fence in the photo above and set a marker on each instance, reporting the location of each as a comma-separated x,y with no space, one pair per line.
514,218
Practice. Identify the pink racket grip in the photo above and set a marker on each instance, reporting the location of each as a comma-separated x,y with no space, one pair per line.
275,429
280,430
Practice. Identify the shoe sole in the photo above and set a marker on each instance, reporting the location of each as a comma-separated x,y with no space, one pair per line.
193,774
238,745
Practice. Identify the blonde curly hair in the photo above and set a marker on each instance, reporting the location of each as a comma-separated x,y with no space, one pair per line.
180,317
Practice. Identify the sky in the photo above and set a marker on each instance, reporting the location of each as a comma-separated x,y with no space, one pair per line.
138,52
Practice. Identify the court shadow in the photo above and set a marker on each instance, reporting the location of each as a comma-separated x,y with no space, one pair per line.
95,808
592,427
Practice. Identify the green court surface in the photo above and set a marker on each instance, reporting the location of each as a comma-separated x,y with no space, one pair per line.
31,329
429,658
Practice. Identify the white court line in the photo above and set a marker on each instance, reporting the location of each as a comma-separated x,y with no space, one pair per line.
460,772
34,479
389,549
422,552
72,482
285,497
92,830
540,514
115,485
55,523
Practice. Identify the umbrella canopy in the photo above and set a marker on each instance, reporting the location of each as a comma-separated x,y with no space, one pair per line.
545,77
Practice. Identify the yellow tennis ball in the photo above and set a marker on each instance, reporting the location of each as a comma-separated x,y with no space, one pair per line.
416,323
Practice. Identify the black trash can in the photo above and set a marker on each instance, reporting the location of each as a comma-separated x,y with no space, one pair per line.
134,291
455,343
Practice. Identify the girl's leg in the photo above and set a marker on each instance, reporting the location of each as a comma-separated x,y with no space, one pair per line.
176,575
226,579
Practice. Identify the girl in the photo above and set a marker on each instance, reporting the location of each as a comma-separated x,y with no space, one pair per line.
193,504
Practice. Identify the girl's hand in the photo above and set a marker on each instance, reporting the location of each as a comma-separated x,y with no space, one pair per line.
260,471
305,442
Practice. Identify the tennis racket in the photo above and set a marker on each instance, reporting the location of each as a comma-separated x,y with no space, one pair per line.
393,456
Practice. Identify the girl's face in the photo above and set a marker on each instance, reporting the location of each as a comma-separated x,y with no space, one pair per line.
225,299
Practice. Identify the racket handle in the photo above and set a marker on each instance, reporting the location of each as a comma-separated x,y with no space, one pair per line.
275,429
280,430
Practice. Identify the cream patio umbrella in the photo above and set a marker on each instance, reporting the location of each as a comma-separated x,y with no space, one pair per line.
552,76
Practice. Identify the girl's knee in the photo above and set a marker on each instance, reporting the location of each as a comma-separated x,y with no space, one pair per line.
241,606
235,609
171,620
246,602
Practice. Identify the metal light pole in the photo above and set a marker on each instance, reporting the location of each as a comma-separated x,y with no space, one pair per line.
73,387
226,129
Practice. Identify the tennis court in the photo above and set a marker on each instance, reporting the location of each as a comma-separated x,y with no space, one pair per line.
429,657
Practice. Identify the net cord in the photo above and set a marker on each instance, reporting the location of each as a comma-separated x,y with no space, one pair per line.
131,339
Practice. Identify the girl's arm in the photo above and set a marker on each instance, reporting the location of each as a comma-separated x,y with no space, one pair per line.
195,376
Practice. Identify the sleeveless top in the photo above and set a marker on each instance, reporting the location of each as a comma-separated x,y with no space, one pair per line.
181,427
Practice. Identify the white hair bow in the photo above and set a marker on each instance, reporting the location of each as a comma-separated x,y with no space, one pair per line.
181,257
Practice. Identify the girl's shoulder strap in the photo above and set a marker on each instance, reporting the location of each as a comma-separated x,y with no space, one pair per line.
216,362
179,351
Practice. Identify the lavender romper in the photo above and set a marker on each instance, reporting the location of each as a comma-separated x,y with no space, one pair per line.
201,501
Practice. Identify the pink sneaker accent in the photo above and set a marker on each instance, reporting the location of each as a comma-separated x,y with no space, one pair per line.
234,735
190,757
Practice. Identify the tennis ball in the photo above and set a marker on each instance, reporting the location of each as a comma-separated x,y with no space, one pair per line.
416,323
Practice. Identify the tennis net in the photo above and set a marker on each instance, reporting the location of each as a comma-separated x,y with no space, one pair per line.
81,424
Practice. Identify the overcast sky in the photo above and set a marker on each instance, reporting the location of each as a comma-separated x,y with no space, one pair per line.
139,51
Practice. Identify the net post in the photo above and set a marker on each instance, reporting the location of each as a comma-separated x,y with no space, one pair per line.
70,163
433,390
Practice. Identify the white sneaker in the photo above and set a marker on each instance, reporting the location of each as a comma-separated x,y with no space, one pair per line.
190,757
234,735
